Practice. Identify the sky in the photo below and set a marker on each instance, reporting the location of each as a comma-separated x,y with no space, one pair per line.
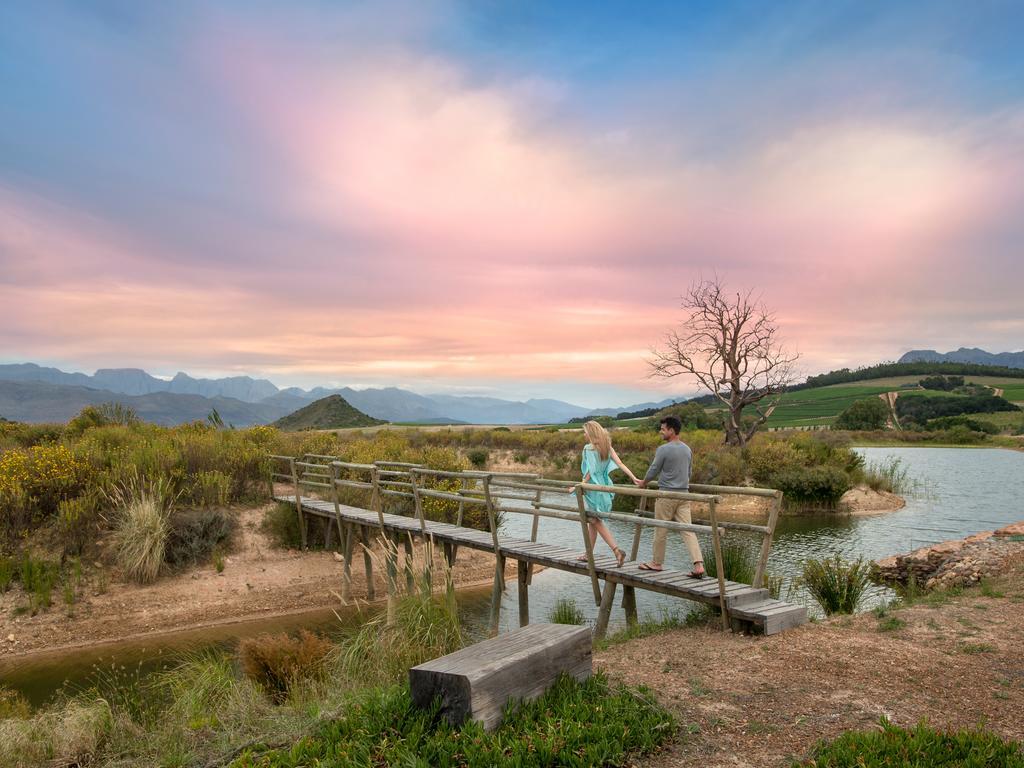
507,198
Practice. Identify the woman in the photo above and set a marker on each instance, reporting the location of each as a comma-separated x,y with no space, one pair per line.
599,458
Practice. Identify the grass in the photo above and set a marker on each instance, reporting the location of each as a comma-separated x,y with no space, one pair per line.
889,475
646,627
141,536
565,611
892,746
594,723
837,586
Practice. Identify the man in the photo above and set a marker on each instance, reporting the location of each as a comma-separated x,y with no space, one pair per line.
671,467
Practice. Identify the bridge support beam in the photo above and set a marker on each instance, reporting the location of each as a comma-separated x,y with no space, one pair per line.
523,578
496,592
371,589
605,611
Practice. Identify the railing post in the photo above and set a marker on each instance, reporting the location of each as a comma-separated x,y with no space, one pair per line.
766,541
387,545
334,498
523,580
270,478
716,541
298,502
418,501
589,547
533,531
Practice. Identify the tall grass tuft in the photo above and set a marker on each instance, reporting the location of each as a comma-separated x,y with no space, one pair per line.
739,563
565,611
889,475
836,586
142,526
6,573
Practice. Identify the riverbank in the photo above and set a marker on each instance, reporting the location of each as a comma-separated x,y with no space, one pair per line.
763,701
258,581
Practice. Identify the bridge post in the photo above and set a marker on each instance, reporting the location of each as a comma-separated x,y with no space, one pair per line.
371,590
499,558
766,542
629,593
716,541
589,547
298,502
337,505
347,542
387,545
428,552
523,578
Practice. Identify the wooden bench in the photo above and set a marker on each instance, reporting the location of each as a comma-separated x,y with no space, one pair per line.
477,682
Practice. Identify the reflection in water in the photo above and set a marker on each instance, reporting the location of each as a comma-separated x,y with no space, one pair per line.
961,492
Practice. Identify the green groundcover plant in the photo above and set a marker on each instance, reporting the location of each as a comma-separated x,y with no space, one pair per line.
895,747
593,723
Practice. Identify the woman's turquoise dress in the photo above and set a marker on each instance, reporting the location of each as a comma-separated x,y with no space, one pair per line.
598,468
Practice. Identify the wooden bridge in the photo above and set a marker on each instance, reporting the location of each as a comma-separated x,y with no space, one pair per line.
743,607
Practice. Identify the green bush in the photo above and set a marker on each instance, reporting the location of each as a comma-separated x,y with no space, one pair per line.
974,425
280,524
141,530
919,746
77,521
478,457
871,413
816,486
836,586
593,723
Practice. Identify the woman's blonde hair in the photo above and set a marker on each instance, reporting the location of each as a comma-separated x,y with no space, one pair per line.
599,438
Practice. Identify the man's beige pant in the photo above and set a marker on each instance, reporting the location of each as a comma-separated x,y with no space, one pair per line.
679,511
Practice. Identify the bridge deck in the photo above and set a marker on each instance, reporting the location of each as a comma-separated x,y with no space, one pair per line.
745,603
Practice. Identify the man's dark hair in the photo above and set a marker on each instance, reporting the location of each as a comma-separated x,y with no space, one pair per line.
673,423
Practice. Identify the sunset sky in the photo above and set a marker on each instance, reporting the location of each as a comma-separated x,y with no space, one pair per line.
502,198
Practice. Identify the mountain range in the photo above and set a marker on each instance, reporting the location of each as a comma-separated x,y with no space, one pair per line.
33,393
965,355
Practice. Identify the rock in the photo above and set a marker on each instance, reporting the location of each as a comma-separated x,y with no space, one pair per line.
338,557
10,638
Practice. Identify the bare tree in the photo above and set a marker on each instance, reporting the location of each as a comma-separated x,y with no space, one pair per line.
729,344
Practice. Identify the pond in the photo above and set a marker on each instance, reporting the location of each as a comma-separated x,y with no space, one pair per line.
957,492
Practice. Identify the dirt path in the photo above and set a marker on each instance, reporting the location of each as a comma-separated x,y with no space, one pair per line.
744,701
258,581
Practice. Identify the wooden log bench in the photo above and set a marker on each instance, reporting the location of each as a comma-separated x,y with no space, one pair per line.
477,682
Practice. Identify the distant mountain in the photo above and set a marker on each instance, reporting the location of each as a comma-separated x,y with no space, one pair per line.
36,401
133,381
331,412
270,403
965,355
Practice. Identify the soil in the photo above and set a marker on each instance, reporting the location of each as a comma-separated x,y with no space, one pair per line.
765,701
258,581
856,501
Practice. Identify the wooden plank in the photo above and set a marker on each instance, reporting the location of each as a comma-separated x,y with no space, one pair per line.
477,682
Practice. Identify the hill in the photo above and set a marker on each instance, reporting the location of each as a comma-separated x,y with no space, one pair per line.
965,355
331,412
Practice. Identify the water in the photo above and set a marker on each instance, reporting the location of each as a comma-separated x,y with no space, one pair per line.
959,492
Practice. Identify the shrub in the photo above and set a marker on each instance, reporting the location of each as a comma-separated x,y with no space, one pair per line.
921,409
815,486
565,611
6,573
921,745
836,586
281,525
478,457
102,415
211,489
194,534
942,383
871,413
888,475
277,662
974,425
76,521
13,705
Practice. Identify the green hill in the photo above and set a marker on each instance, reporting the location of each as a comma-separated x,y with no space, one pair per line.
331,412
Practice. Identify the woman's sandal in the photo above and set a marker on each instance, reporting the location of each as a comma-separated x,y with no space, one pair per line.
620,556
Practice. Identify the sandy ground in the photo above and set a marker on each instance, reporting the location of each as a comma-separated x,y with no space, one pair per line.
756,701
857,501
258,581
